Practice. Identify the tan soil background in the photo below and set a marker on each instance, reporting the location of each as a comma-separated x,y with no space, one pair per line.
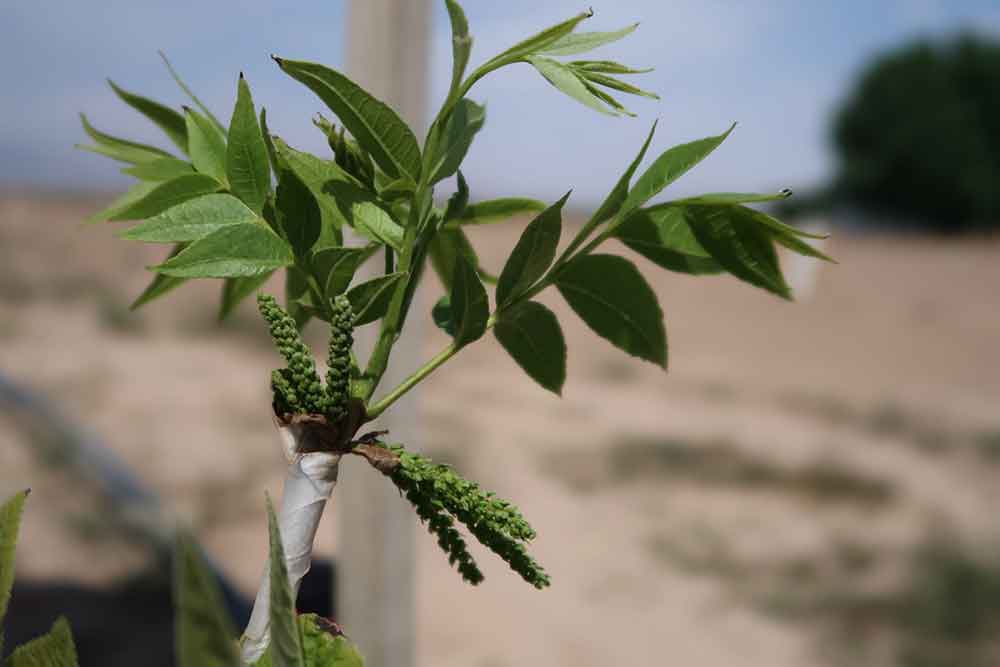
738,510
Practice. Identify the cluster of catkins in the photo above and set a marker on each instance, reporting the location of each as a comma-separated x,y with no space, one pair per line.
297,388
440,496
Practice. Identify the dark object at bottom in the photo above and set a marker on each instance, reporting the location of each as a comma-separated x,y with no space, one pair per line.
132,623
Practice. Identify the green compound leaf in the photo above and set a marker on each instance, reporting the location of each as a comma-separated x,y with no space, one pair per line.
10,523
671,165
167,195
298,212
160,169
206,145
372,221
531,335
335,266
230,252
54,649
372,123
205,636
370,300
122,203
567,81
247,165
470,307
662,235
739,244
464,122
492,211
286,643
160,284
171,122
192,220
614,300
585,41
532,255
534,44
461,42
613,203
122,150
235,290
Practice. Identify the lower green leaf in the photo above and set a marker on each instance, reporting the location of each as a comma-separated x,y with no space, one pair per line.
442,316
205,635
615,301
191,220
122,203
54,649
233,251
531,335
286,644
335,266
496,210
10,523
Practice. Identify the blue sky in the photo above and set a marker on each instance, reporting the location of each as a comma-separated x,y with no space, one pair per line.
779,67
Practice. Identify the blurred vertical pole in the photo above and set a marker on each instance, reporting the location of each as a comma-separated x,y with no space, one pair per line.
387,54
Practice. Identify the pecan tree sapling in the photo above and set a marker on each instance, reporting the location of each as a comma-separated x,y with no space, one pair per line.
239,204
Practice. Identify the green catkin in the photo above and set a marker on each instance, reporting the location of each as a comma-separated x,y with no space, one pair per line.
338,374
440,496
301,381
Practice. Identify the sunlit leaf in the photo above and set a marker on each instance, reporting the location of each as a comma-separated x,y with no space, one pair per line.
581,42
230,252
166,195
534,44
671,165
206,145
372,123
247,164
461,42
568,82
191,220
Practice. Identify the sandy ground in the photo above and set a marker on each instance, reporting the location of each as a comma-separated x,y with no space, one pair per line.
791,448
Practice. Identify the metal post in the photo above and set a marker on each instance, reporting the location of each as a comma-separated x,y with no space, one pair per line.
387,54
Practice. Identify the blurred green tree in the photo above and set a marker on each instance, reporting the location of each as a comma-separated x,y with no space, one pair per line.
918,139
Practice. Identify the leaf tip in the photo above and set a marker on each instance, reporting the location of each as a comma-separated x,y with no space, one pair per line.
280,61
241,76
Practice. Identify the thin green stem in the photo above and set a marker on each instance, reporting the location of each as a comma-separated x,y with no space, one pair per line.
412,381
